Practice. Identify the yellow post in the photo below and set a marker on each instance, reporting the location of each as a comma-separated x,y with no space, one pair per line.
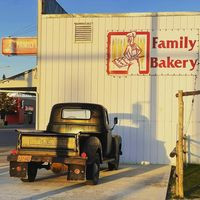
177,170
180,143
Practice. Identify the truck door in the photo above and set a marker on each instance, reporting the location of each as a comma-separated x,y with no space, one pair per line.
108,136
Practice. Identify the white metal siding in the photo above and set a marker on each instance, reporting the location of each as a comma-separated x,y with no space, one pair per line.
145,105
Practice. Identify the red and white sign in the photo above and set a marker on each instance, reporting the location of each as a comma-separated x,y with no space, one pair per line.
19,46
128,52
164,52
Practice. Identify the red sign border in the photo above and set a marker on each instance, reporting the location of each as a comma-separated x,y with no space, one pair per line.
112,72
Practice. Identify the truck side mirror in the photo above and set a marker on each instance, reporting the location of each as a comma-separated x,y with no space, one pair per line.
115,122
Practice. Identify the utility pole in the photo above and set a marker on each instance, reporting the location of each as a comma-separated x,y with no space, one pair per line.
180,143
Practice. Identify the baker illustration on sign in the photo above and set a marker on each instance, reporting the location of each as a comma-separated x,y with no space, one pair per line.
131,55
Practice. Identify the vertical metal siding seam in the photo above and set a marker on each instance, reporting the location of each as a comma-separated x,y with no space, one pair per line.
172,139
109,76
45,74
145,141
102,64
93,90
39,61
157,117
129,80
77,70
136,138
123,106
72,45
162,113
55,62
171,121
131,142
143,122
62,62
106,76
138,85
118,82
52,62
87,67
40,83
165,119
49,71
64,73
120,103
84,69
84,72
90,70
40,35
128,134
58,90
93,78
98,62
111,106
105,49
151,121
137,122
53,65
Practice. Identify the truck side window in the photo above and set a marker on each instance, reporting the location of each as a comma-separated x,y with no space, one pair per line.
107,119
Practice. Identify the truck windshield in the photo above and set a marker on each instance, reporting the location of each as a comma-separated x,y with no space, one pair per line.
76,114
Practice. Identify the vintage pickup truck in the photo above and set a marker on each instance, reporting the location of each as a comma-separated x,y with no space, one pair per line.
77,140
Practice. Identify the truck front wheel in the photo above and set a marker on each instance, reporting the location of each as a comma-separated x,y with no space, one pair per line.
31,172
115,164
92,170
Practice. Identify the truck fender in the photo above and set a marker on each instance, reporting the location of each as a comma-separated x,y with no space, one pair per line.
92,146
117,144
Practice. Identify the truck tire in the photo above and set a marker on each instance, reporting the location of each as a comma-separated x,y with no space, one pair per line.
31,172
115,164
92,170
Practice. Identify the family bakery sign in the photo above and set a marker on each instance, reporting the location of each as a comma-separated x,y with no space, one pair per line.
167,52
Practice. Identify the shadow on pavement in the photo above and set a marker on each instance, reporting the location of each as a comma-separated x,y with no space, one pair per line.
129,171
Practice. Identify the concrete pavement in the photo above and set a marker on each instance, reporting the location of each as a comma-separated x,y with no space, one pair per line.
128,183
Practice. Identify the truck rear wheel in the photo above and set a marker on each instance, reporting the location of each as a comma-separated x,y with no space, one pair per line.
92,171
31,172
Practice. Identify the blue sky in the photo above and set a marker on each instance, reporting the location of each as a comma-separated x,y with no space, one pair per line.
19,18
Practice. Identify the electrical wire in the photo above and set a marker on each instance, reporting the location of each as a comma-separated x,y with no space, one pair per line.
25,30
193,98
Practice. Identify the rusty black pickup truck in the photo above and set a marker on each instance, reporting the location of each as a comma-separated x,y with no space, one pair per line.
77,140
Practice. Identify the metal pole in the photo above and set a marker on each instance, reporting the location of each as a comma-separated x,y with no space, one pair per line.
180,143
184,149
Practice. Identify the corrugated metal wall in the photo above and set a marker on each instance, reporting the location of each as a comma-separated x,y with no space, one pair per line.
145,105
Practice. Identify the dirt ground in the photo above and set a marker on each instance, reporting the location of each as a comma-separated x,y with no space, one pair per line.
191,182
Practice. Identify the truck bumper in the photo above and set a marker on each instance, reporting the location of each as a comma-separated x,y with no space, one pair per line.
19,164
64,160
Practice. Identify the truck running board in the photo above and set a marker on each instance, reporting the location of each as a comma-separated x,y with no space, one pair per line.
106,160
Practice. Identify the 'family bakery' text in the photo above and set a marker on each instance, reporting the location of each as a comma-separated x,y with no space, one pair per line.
166,61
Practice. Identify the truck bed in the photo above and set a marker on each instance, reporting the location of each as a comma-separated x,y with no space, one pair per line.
47,143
